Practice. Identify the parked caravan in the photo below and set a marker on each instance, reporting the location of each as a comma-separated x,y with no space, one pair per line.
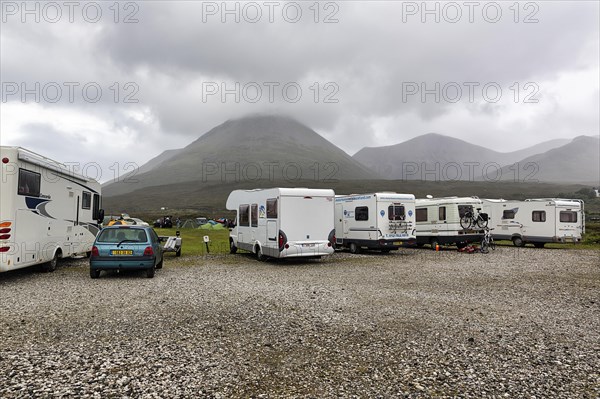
383,221
282,222
439,221
536,221
46,211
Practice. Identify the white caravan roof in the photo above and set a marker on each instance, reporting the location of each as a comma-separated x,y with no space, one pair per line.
449,200
240,196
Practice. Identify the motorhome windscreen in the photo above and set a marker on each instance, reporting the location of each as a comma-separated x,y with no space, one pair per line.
396,212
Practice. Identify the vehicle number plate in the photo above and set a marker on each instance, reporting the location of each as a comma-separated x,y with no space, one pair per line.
397,242
121,252
308,245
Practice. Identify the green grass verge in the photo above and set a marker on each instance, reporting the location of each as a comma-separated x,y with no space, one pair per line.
193,241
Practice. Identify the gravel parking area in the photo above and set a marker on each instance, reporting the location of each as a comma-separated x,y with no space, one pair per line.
415,323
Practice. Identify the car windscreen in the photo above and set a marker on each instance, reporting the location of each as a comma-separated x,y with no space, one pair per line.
119,235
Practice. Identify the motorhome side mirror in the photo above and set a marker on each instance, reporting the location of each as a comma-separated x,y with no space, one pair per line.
100,215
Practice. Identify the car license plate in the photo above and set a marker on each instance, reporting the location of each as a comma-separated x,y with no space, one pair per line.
308,245
397,242
121,252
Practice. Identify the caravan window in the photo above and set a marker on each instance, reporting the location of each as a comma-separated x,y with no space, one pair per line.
463,209
29,183
568,217
254,215
396,212
96,210
243,215
508,214
86,200
361,213
538,216
421,214
442,213
272,208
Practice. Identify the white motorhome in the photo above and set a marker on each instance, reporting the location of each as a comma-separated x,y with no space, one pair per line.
438,221
383,221
282,222
536,221
46,211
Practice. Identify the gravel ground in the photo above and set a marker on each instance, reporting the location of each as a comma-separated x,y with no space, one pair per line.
415,323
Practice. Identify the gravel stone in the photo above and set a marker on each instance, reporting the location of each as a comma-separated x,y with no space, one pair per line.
518,322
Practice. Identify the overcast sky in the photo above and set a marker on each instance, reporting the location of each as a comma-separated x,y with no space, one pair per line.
370,73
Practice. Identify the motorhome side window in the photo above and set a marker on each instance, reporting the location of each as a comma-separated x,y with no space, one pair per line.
272,208
86,200
243,215
568,217
463,209
442,213
254,215
538,216
396,212
421,214
508,214
29,183
96,210
361,213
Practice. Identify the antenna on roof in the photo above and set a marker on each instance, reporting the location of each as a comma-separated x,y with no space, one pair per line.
429,196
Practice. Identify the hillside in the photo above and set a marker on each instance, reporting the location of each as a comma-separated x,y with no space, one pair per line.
577,161
249,149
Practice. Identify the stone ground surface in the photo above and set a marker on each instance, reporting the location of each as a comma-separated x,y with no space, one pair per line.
415,323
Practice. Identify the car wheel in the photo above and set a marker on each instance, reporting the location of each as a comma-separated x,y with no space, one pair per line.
232,247
259,255
94,273
178,252
354,249
518,242
51,266
150,272
159,265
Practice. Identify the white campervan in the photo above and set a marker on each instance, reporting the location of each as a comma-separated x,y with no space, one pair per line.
536,221
282,222
383,221
46,211
438,221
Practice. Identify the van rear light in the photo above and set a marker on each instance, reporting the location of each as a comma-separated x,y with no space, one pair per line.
286,246
5,224
4,231
95,251
282,241
5,160
4,236
148,251
4,249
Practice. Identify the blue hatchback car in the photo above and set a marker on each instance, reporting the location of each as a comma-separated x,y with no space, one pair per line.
126,248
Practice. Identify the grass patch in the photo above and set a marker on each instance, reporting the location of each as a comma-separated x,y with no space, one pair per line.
193,241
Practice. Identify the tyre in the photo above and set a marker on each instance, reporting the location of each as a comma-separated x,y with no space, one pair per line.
492,245
481,222
434,243
178,252
94,273
232,247
461,245
159,265
420,245
259,255
354,249
518,242
150,272
465,221
485,247
538,244
49,267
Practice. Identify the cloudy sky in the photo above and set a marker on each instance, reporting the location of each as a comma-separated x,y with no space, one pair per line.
112,84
